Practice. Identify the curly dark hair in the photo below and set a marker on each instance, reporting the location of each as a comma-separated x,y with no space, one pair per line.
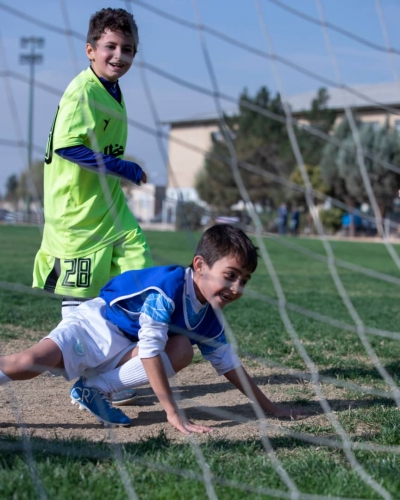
221,240
114,20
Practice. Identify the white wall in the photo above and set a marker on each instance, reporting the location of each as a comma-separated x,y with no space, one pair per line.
185,162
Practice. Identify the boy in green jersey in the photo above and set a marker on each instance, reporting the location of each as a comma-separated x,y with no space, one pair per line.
90,235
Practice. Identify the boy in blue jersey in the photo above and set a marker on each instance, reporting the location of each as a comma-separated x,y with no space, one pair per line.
142,328
90,234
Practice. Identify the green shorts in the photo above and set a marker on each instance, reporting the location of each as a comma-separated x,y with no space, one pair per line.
83,277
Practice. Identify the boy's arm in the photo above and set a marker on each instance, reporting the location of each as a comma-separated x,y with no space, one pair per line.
99,162
159,382
154,319
242,380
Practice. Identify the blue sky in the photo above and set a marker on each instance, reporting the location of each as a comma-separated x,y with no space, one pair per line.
176,49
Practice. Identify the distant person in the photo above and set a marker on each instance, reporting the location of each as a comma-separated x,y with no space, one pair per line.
142,328
90,234
295,221
282,217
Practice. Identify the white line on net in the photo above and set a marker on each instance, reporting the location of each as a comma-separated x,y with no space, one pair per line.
184,473
265,55
116,446
71,33
302,497
334,27
322,318
293,140
389,49
68,34
308,128
249,105
356,136
119,460
213,32
15,119
280,429
360,159
207,478
274,302
339,262
259,412
27,445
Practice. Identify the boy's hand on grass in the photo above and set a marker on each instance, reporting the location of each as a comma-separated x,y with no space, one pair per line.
186,426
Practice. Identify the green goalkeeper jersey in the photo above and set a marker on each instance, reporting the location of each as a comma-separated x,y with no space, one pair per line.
84,210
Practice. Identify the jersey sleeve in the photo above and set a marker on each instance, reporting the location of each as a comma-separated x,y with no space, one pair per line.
154,322
99,162
75,121
219,353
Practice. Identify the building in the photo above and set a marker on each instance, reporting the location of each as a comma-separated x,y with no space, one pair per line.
372,103
191,138
146,201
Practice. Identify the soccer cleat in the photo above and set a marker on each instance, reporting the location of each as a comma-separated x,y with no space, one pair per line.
125,397
95,401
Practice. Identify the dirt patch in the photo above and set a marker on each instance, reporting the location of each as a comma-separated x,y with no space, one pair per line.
42,407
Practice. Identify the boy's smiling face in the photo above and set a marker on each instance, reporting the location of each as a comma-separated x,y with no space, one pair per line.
220,284
112,55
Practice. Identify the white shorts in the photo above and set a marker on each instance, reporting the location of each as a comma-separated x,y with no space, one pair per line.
90,344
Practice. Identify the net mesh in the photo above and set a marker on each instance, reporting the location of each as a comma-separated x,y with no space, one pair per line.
277,296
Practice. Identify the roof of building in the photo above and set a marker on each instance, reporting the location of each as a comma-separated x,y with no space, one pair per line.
363,96
387,93
203,118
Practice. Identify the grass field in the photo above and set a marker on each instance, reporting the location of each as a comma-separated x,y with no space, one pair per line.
160,468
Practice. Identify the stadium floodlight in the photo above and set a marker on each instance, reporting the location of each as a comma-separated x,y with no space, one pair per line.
32,59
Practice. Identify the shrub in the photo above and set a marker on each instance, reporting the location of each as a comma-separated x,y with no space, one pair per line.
331,219
188,215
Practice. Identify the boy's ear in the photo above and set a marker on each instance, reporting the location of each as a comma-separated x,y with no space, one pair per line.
90,51
198,263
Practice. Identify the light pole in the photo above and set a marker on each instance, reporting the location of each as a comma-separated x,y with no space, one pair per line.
32,58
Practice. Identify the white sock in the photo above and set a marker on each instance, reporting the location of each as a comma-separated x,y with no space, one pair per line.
130,374
3,378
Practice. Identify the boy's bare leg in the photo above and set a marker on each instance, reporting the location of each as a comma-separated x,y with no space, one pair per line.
178,349
46,355
32,362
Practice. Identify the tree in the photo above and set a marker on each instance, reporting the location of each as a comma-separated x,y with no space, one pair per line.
262,142
317,184
188,215
258,140
30,183
341,171
319,117
11,189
